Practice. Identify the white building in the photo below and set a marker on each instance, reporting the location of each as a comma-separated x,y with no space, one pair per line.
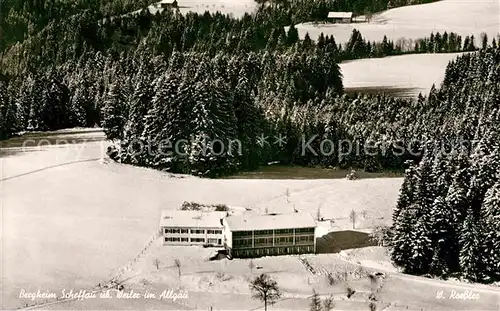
192,227
340,17
267,235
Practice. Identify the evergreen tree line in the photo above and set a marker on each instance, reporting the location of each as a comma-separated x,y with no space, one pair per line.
20,19
446,222
54,78
357,47
63,40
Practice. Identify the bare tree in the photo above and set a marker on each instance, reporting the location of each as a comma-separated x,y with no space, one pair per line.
177,263
328,303
265,289
381,234
156,263
352,218
315,304
318,213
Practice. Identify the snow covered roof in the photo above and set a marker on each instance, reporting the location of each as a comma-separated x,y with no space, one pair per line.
191,219
340,15
271,221
359,19
167,2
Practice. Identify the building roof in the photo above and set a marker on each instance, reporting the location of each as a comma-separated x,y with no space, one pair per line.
191,219
340,15
271,221
167,2
360,19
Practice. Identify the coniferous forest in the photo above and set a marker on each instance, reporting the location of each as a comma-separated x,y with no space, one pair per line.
447,217
152,81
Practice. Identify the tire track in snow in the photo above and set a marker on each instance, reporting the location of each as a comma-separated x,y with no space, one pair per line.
47,168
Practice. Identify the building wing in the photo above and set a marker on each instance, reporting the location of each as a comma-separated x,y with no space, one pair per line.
272,221
191,219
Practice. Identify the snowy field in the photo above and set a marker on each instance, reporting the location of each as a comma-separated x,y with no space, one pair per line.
79,223
223,285
74,223
237,8
465,17
406,75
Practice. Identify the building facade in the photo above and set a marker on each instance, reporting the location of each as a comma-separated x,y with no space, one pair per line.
192,228
340,17
269,235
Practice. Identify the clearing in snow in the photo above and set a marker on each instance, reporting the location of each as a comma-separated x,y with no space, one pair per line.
405,75
418,21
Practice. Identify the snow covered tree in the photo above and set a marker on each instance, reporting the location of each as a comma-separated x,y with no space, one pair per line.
114,112
470,257
403,237
443,237
406,192
491,232
4,106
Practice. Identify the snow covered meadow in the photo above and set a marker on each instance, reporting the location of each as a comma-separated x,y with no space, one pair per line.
463,17
73,224
406,75
409,75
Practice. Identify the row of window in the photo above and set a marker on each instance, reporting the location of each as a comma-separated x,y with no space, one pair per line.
269,241
242,233
168,230
193,231
307,238
263,232
214,231
247,242
195,240
260,241
198,240
270,232
273,251
168,239
239,233
304,230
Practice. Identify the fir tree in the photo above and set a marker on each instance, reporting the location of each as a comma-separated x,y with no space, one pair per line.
470,257
114,113
315,304
491,232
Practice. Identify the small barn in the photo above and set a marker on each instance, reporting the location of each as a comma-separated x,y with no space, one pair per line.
168,4
340,17
360,19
